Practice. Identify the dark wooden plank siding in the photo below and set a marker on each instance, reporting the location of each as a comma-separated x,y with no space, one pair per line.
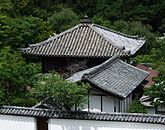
61,63
42,124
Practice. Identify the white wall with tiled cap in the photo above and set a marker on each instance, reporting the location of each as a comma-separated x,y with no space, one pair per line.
65,124
99,122
8,122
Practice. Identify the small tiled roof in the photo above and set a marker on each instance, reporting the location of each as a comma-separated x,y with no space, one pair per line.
81,115
146,101
78,75
87,40
153,74
113,76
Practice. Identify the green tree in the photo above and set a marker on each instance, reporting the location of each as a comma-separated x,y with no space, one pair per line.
3,29
29,30
156,57
137,107
16,77
101,21
63,20
137,28
6,7
21,7
19,32
157,92
60,93
162,26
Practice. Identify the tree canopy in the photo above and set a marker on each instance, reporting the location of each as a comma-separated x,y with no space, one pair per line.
61,94
16,76
157,93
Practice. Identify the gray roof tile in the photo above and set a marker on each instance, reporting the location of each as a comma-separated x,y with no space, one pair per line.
86,40
113,76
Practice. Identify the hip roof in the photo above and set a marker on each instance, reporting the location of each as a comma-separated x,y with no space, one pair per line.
87,40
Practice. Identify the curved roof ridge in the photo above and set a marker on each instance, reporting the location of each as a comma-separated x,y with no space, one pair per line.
20,107
108,40
101,66
85,35
120,33
55,36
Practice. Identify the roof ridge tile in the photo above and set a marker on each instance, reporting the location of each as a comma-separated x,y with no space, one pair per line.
101,67
120,33
110,42
54,37
108,47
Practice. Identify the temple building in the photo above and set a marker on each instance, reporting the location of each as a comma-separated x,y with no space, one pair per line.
86,43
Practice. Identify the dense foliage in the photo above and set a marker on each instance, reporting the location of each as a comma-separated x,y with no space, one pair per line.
157,92
54,90
24,22
16,77
137,107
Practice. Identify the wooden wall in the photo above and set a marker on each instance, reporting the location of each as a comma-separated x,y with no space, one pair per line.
60,63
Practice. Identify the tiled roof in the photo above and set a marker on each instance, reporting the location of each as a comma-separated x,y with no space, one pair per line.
81,115
78,75
113,76
87,40
153,74
146,101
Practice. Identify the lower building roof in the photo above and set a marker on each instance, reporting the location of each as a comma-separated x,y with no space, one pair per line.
149,79
114,76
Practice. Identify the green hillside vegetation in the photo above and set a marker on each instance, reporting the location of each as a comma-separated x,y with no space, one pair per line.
24,22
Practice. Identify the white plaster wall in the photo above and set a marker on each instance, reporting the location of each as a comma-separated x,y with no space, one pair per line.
161,108
151,110
64,124
8,122
116,104
95,102
108,104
